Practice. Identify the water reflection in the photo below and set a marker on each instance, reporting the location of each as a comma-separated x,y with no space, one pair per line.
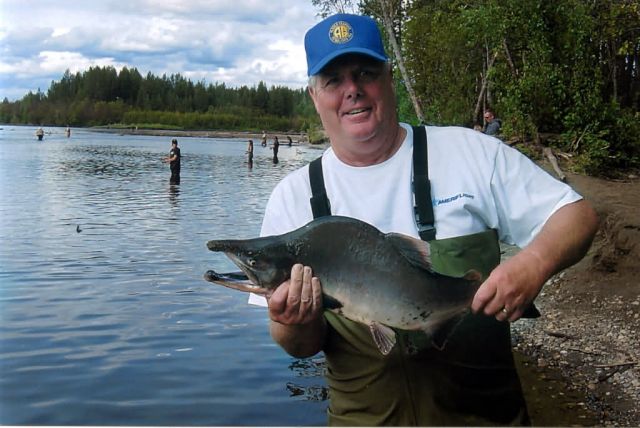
174,192
309,393
308,371
104,161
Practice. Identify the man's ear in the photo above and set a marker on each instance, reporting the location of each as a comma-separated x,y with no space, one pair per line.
312,94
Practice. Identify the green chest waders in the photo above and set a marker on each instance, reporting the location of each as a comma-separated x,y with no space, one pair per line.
472,381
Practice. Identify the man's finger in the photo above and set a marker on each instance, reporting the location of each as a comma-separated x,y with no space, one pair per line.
515,315
277,301
306,291
483,297
316,294
295,285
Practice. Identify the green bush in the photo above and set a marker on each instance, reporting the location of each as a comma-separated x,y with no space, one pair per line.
608,144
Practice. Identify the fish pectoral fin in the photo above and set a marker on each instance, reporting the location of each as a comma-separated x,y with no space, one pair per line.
383,336
416,251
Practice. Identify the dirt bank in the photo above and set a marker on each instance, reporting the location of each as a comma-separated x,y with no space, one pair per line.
585,349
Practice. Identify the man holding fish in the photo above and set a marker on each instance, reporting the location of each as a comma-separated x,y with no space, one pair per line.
461,191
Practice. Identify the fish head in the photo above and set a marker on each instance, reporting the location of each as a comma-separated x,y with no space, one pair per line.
261,269
264,261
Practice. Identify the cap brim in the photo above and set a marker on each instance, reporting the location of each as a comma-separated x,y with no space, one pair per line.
333,55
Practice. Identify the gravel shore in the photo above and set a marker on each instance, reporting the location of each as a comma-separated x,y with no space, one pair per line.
594,350
587,342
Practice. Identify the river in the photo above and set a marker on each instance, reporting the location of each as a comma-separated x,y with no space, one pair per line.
104,316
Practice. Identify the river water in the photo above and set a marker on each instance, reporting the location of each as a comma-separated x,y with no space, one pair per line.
104,316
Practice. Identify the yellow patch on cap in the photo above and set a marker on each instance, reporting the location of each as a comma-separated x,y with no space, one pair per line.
341,32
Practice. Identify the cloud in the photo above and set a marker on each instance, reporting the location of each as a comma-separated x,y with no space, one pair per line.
58,62
239,42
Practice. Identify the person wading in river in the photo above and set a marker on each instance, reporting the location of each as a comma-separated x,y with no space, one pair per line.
174,162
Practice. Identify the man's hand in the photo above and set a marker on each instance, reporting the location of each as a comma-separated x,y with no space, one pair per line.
510,289
295,309
298,300
515,283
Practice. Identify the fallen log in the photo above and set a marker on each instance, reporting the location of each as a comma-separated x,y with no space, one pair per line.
560,334
607,366
554,163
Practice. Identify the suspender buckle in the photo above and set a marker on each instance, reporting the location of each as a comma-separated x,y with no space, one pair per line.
427,232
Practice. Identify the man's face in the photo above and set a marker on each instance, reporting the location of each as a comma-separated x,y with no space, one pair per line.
488,116
355,99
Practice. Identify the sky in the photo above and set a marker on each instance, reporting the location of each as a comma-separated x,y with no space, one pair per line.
238,42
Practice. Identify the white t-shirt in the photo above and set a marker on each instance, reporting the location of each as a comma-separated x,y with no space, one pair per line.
477,183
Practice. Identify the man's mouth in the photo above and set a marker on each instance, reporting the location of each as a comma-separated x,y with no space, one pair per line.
356,111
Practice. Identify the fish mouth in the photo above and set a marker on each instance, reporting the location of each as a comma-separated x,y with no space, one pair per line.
245,268
235,280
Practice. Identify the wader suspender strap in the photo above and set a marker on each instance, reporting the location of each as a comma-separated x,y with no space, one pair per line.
319,201
421,187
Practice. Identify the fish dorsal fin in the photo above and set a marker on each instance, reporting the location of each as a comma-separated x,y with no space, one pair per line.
383,336
416,251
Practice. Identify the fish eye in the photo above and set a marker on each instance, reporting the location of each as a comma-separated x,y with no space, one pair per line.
251,262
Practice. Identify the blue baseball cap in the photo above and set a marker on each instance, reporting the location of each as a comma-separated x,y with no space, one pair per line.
342,34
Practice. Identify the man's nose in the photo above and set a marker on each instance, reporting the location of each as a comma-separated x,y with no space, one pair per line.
352,88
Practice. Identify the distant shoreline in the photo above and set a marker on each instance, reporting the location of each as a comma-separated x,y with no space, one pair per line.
282,137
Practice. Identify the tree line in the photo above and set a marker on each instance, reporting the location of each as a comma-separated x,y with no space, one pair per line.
105,96
563,73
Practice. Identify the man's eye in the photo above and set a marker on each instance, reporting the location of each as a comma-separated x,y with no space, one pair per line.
331,81
368,75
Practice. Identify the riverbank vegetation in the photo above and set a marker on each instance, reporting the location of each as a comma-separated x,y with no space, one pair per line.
563,74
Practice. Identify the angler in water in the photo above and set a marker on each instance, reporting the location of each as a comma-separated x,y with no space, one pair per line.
458,189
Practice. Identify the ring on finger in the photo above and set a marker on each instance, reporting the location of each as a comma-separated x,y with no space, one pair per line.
306,299
505,310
